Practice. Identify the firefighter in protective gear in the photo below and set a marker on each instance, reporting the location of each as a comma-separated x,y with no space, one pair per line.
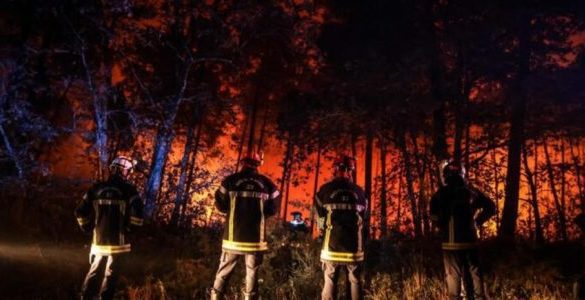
458,210
579,287
248,198
341,206
108,209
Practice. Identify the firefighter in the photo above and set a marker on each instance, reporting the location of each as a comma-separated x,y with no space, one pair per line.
341,207
579,288
109,209
458,210
248,198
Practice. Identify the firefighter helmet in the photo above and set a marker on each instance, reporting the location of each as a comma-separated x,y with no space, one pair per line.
123,162
345,163
254,159
451,168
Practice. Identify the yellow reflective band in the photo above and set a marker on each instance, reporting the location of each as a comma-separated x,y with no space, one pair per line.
110,202
244,247
136,221
341,256
110,249
328,228
340,206
82,221
458,246
249,194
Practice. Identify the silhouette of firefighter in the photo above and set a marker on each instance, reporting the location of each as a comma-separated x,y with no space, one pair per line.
341,207
108,209
458,210
297,224
579,289
248,198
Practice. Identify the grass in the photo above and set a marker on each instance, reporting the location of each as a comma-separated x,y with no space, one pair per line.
44,256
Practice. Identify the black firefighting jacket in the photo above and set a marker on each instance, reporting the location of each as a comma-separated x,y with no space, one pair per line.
109,209
247,198
342,204
458,210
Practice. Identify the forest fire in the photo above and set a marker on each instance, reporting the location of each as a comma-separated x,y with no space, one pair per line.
424,129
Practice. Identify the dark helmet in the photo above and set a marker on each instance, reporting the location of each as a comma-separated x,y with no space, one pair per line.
450,168
253,160
345,163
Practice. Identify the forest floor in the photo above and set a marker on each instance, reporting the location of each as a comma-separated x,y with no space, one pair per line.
44,256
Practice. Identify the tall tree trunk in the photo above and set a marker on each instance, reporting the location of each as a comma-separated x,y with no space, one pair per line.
578,174
182,177
285,171
162,146
190,177
242,143
531,178
368,178
263,130
383,190
496,187
354,154
559,208
516,136
10,150
253,118
316,183
399,201
409,183
288,180
422,200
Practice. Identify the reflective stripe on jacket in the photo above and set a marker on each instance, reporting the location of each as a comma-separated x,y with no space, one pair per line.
108,209
248,198
343,205
457,210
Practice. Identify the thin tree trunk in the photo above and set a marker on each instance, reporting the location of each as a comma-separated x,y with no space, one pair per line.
354,154
368,179
288,180
399,201
182,177
285,171
496,187
577,166
263,130
551,178
192,166
422,203
242,143
316,184
253,118
409,183
531,178
383,190
10,151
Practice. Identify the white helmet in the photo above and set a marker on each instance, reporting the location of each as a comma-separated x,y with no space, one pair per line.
123,162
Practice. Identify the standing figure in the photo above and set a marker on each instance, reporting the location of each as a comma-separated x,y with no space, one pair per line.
248,198
579,288
341,206
458,210
108,209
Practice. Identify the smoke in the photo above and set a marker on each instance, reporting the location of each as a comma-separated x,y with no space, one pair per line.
37,254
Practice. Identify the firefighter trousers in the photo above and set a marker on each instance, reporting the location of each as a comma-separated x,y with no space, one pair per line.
331,275
462,266
579,288
104,268
227,264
